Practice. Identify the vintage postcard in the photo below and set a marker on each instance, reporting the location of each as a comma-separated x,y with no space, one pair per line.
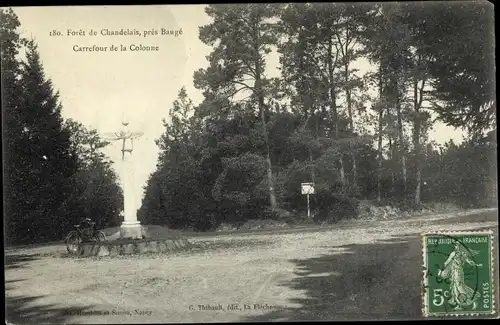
249,162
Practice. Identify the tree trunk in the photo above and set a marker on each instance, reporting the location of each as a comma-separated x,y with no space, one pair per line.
262,111
391,150
309,147
354,170
401,145
272,195
333,102
351,119
416,140
311,161
379,148
417,190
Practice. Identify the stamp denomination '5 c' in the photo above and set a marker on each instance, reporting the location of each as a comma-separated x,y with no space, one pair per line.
458,273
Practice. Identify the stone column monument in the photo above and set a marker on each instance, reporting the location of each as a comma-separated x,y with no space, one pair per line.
131,227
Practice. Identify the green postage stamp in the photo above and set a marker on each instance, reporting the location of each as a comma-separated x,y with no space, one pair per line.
458,273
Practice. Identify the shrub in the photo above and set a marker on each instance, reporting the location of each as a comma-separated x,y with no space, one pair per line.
339,207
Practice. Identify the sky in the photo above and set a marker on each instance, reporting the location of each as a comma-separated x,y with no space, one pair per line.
99,88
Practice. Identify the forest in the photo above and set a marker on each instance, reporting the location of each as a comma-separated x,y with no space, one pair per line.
242,153
54,171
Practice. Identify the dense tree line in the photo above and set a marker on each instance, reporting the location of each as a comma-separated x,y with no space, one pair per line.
243,152
54,172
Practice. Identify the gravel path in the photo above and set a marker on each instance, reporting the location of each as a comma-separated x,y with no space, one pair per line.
364,271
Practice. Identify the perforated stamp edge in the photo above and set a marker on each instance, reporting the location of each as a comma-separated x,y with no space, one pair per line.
425,281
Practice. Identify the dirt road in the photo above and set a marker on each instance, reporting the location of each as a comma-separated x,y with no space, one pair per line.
363,271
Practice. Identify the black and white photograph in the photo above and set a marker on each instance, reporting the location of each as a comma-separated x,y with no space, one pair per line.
249,162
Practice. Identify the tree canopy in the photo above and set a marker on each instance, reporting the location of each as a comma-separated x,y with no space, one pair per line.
356,136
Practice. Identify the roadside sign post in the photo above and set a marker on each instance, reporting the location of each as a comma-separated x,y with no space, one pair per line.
308,189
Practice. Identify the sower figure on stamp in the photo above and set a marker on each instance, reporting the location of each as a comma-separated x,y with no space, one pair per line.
461,294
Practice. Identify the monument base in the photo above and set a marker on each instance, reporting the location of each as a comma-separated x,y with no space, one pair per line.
134,246
131,231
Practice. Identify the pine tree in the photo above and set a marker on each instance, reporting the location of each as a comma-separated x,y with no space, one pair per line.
462,62
47,150
241,36
16,171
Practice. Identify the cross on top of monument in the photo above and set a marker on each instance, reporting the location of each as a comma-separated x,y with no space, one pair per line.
123,135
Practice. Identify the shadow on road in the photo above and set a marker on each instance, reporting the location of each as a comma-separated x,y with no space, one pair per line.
379,281
29,310
15,261
32,309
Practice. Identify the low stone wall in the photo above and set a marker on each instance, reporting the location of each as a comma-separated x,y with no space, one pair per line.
129,247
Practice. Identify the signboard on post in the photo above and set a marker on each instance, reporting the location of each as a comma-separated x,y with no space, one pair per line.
308,189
